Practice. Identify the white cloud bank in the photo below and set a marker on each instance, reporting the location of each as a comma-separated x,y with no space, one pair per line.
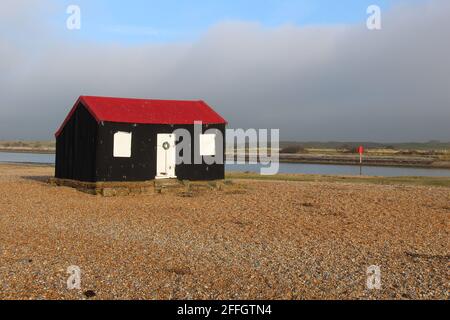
314,83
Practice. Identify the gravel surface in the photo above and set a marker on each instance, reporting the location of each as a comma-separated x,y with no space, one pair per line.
274,240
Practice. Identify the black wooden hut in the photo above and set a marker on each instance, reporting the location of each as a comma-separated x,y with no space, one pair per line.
118,139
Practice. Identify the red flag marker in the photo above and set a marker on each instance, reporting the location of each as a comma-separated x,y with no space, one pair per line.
361,152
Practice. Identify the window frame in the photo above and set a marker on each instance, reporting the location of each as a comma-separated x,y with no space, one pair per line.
122,144
207,145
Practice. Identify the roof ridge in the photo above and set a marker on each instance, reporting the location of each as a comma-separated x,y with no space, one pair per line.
142,99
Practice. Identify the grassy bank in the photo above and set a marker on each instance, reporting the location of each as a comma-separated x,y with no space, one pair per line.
28,146
417,181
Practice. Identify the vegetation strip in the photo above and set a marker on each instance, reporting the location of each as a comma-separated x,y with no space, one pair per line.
417,181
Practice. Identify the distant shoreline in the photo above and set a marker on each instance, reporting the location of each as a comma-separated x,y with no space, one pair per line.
372,164
368,160
27,150
379,161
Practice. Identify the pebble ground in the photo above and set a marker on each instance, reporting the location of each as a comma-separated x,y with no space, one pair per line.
271,240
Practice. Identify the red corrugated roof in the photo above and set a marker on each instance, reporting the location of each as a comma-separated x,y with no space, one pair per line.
146,111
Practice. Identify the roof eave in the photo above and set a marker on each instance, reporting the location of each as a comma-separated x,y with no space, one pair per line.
79,101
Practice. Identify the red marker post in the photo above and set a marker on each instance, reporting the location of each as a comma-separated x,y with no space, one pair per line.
361,152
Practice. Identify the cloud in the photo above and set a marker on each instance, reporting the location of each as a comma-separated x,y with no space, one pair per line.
340,82
132,30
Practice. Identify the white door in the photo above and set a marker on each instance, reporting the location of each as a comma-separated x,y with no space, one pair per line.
165,156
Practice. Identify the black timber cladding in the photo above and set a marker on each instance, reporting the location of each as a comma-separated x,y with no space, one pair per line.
76,147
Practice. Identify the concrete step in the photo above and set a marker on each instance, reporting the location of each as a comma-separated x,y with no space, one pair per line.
165,184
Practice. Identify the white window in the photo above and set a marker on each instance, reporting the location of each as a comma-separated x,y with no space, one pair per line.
207,144
122,144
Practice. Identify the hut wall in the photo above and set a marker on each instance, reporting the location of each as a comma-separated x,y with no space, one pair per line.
141,166
76,147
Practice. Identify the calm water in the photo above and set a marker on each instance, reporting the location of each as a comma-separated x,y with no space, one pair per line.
329,169
284,167
27,157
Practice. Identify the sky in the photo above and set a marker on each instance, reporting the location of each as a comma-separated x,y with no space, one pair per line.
309,68
181,20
